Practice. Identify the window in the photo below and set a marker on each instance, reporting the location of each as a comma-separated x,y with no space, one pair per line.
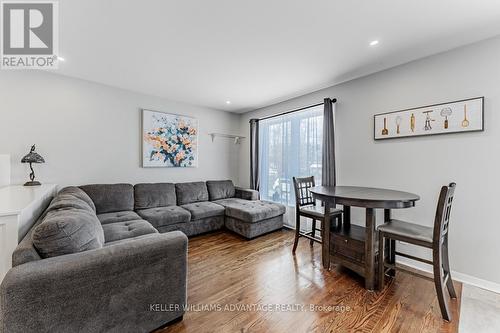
289,145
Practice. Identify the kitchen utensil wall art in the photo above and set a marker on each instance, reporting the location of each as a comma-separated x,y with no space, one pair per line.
460,116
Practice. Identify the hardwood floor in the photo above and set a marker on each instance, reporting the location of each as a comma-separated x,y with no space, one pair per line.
226,271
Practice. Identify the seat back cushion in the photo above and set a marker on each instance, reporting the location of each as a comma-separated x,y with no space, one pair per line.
72,197
110,198
69,225
191,192
220,189
154,195
78,193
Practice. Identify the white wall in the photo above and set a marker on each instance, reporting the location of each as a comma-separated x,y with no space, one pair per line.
90,133
4,170
422,165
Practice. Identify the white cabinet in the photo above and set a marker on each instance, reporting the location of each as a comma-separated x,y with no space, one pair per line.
20,207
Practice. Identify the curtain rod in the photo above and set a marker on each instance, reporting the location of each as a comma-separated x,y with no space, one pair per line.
334,100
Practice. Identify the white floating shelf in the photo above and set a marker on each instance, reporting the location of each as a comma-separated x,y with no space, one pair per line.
236,138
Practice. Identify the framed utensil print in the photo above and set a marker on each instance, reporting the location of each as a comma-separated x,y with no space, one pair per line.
454,117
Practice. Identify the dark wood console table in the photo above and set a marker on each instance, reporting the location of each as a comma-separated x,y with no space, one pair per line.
350,245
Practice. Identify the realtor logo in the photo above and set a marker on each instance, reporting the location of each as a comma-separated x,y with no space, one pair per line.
29,34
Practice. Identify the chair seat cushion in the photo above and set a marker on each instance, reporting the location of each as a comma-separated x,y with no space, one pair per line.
161,216
204,209
410,230
118,217
251,211
128,229
318,211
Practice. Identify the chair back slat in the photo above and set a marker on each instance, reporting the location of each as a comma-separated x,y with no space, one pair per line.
443,211
303,196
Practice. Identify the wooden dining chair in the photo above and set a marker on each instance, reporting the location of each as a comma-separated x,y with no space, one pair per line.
435,238
306,206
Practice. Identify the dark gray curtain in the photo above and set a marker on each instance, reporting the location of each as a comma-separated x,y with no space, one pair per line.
254,154
328,159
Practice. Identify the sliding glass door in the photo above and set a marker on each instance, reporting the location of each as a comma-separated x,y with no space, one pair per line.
289,145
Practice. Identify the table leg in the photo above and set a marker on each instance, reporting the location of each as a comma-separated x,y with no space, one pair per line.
347,216
387,215
370,249
325,236
389,245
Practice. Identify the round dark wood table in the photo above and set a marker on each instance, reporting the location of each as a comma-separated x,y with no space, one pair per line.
354,246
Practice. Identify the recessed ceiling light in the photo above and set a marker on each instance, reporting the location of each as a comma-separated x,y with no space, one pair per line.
61,59
373,42
228,102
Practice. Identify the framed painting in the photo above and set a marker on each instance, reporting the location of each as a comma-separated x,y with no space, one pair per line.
454,117
169,140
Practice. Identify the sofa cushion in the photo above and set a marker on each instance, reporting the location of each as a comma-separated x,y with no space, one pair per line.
246,193
154,195
111,197
118,217
128,229
191,192
78,193
126,240
220,189
161,216
230,201
68,201
67,230
251,211
252,230
201,210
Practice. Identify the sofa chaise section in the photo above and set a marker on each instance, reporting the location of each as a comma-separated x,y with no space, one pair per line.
244,213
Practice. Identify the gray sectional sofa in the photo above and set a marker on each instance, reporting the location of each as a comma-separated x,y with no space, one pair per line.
193,208
113,258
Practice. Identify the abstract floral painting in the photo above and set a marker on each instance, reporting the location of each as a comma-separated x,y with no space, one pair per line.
169,140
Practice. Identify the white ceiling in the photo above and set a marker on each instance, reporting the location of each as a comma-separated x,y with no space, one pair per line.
257,52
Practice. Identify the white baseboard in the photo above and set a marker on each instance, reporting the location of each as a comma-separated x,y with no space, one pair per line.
457,276
477,282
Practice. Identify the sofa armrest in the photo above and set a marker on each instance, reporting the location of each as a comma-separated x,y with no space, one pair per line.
246,194
114,288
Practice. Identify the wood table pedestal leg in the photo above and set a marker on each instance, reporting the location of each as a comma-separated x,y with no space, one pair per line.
325,233
390,246
347,216
370,249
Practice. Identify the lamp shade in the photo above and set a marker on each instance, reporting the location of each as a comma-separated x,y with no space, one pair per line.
32,157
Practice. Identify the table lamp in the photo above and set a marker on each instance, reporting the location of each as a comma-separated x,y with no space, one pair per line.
32,157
